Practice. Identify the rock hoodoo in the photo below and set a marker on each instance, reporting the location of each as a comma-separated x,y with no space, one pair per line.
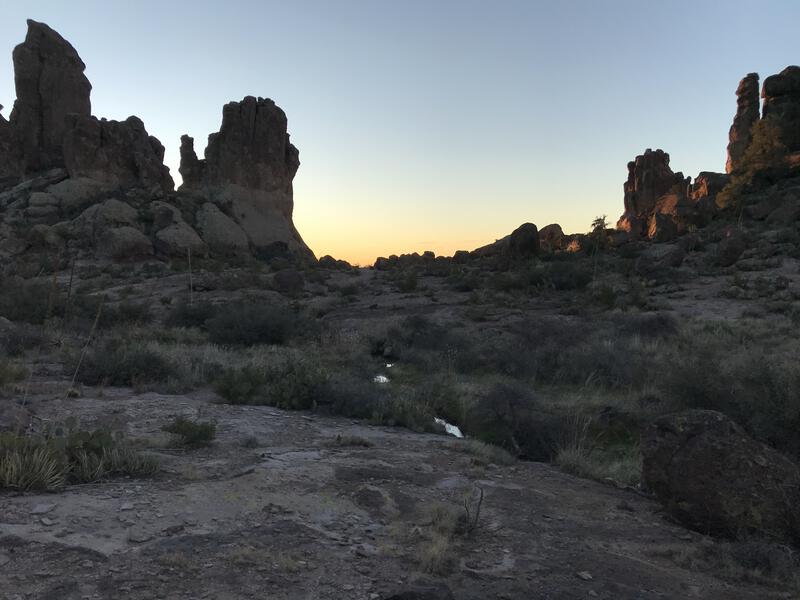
747,114
249,166
781,94
73,185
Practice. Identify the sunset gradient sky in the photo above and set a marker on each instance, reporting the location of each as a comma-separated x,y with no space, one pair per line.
432,125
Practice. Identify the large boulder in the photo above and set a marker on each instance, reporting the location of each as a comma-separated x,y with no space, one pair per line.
551,237
730,247
119,153
523,242
50,85
781,94
220,232
747,113
123,243
715,478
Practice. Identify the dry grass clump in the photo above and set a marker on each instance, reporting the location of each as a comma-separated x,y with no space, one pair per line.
190,433
482,452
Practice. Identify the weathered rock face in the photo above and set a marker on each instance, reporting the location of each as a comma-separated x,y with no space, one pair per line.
551,237
114,152
781,94
249,166
716,478
649,178
10,160
747,113
50,85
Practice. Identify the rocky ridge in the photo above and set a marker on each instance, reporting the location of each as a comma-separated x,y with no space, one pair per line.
75,187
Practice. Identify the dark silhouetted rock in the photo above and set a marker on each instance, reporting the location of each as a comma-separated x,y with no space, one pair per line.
708,184
120,153
781,94
523,242
288,281
461,257
551,237
730,247
661,228
329,262
715,478
11,168
747,113
50,85
249,166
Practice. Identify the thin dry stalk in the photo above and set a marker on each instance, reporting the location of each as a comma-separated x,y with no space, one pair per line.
86,347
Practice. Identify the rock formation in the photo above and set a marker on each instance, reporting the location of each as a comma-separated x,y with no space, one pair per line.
781,94
50,84
249,165
523,242
715,478
72,184
747,114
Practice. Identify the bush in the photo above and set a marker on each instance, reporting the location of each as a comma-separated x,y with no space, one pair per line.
48,461
241,386
251,324
111,363
191,433
294,385
29,301
190,315
408,282
19,338
11,372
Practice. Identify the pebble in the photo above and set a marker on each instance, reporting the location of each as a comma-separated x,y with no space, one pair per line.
47,522
585,575
4,559
126,506
42,509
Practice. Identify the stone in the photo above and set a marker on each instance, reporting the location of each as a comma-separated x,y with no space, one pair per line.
179,239
523,242
249,165
730,247
551,237
123,243
120,153
657,259
781,95
747,114
661,228
715,478
649,178
11,167
288,281
42,509
220,232
50,85
74,195
329,262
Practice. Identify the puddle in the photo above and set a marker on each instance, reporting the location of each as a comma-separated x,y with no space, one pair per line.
450,429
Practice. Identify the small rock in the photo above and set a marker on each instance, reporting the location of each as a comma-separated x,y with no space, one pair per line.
585,575
126,506
4,559
42,509
47,522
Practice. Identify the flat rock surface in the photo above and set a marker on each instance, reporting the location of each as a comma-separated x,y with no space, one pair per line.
296,516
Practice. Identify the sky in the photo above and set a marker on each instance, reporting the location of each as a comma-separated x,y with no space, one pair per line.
432,125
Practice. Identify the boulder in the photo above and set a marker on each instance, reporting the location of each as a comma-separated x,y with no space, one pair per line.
523,242
715,478
708,184
747,114
661,228
551,237
11,167
781,94
76,194
220,232
50,85
179,239
118,153
123,243
288,281
730,247
329,262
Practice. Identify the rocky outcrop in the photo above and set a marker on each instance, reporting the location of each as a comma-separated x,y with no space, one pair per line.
715,478
248,167
109,195
747,114
114,152
551,237
523,242
649,179
50,84
781,94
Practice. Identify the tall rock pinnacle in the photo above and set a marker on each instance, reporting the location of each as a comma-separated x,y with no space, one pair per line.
747,113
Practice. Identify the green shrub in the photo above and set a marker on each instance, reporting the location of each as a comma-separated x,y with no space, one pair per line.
251,324
50,460
191,433
241,386
20,338
29,301
190,315
294,385
112,363
408,282
11,372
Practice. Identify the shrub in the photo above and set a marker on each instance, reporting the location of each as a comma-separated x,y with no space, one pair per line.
408,282
112,363
11,372
29,301
19,338
50,460
293,385
190,315
241,386
250,324
191,433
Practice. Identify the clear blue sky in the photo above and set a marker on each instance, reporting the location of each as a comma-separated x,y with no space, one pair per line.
433,124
